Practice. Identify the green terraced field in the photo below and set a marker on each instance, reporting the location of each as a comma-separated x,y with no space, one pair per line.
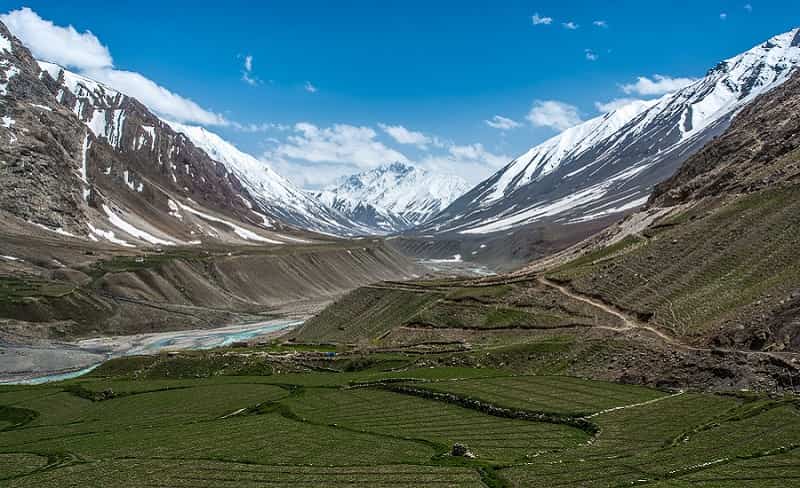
373,428
369,313
724,266
364,314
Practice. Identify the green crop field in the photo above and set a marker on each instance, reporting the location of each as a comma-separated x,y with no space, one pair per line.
389,428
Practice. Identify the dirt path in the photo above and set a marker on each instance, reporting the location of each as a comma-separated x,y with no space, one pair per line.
632,323
634,405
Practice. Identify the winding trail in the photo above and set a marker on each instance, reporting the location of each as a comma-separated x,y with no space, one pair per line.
631,323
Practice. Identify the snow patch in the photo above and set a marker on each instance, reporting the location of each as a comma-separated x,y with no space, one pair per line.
108,235
5,44
455,259
240,231
42,107
174,210
11,72
59,230
129,229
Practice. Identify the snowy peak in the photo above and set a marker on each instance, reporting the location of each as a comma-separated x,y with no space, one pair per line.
393,197
609,165
87,162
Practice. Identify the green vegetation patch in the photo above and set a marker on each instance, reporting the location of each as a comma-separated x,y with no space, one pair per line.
364,314
479,293
464,316
733,264
133,473
13,465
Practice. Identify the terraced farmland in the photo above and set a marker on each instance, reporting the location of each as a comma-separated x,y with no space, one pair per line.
375,428
364,314
718,267
371,312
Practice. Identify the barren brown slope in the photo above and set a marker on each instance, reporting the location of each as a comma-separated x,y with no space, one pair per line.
57,290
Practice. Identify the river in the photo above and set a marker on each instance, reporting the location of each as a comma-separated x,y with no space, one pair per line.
62,361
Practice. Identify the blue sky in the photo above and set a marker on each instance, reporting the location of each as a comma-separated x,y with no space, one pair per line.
332,89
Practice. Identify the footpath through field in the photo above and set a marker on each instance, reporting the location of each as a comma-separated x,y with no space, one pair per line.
631,323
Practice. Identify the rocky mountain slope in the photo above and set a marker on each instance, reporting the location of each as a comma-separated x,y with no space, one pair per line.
393,197
113,221
86,161
609,165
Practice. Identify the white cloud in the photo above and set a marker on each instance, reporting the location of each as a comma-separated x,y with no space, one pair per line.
156,97
62,45
541,20
610,106
311,176
473,162
600,23
502,123
658,85
570,25
591,55
748,7
314,157
309,87
262,127
402,135
553,114
85,53
723,16
247,72
340,143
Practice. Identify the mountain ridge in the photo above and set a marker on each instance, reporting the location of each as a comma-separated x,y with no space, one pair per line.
564,182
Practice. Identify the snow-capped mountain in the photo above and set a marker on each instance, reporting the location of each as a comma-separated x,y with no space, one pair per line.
393,197
274,195
270,197
609,164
